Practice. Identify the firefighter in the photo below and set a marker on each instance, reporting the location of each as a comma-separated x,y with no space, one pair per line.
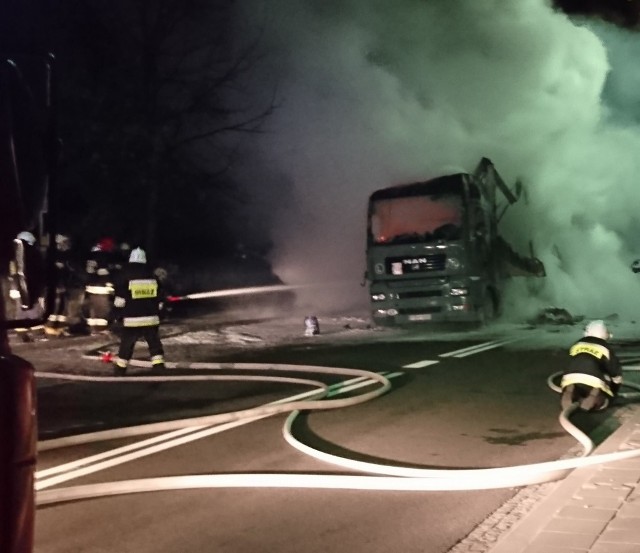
99,291
593,375
58,319
24,307
138,301
121,255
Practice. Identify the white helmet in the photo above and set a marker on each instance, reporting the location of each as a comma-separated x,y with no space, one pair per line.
27,237
597,329
63,242
138,255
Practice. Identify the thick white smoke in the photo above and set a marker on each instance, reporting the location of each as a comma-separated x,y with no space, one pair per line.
373,93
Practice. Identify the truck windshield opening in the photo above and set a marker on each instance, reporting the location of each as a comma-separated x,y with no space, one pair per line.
415,219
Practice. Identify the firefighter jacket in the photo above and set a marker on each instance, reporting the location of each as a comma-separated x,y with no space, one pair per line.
64,271
99,273
25,274
138,296
592,362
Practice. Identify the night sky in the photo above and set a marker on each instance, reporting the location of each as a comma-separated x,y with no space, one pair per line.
625,13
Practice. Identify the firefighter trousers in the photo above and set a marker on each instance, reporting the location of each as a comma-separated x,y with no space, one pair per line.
57,321
97,311
131,334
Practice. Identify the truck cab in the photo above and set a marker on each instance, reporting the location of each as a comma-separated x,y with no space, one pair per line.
434,253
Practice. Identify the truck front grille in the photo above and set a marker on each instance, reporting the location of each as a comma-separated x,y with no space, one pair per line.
419,294
411,264
419,310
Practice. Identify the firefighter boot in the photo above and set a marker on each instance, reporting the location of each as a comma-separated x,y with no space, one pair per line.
119,367
595,401
157,364
567,396
159,368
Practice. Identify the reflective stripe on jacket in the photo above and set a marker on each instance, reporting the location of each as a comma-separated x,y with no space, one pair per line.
150,320
99,290
587,379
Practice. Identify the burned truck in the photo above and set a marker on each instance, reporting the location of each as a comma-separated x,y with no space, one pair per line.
434,251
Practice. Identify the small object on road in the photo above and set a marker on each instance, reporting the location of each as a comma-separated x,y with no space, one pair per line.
555,315
107,357
311,326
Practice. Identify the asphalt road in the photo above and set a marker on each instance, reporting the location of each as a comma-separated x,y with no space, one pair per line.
491,408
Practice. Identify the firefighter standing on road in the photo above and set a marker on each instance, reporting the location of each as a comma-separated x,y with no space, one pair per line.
25,307
98,300
138,303
57,322
594,374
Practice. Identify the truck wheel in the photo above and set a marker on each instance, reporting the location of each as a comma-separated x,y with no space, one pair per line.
489,309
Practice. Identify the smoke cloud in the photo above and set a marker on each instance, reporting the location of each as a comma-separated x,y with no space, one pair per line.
373,93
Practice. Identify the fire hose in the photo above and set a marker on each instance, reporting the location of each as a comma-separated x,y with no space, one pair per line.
322,396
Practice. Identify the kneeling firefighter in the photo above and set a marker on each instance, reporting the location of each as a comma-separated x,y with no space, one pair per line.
594,374
137,301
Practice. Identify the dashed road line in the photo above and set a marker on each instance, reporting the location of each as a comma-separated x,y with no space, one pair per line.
471,350
459,353
420,364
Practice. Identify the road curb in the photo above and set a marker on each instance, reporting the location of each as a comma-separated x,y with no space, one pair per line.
540,527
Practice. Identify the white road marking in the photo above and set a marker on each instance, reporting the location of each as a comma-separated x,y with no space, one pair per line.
420,364
95,463
486,347
464,352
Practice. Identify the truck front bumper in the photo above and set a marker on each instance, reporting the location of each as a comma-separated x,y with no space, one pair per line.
396,317
431,301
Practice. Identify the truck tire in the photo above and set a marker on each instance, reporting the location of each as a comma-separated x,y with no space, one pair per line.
489,308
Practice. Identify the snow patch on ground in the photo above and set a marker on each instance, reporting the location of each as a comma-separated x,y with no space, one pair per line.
198,337
212,337
359,329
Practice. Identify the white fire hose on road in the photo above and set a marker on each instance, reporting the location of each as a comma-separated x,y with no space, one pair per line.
381,476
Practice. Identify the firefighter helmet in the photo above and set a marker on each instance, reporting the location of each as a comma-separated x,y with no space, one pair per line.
63,242
27,237
138,255
107,245
597,329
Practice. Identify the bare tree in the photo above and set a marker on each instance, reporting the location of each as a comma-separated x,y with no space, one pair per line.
158,87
